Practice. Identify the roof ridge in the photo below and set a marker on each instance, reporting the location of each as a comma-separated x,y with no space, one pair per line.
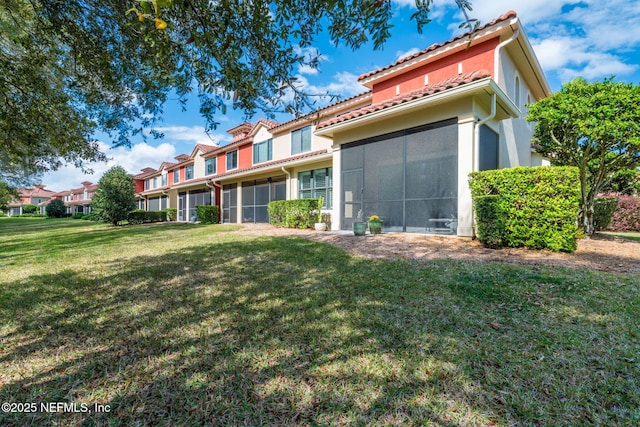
510,14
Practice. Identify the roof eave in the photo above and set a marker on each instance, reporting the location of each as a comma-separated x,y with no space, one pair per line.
486,85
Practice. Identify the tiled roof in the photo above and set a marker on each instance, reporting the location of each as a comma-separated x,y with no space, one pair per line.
145,172
268,123
509,15
430,89
317,112
206,148
273,163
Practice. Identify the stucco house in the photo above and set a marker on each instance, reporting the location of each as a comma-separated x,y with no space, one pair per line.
402,149
435,116
37,196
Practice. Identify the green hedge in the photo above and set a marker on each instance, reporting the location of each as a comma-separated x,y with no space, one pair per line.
603,212
533,207
172,214
77,215
298,213
29,216
140,216
207,214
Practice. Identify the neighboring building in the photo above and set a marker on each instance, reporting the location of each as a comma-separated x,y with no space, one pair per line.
403,149
37,196
77,200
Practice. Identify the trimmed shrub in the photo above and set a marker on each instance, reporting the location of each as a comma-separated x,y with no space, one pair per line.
77,215
533,207
29,216
29,209
89,217
491,229
626,217
298,213
603,212
56,209
140,216
172,213
207,214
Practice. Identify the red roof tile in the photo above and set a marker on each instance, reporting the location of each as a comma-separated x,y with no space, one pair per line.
319,111
509,15
272,163
430,89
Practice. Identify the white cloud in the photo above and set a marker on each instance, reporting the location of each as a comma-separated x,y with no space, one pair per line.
193,134
131,159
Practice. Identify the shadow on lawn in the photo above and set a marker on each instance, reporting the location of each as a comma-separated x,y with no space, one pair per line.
284,331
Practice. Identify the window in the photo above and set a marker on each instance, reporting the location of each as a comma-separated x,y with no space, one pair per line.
146,184
232,160
155,182
317,183
164,179
301,140
176,176
488,149
210,166
262,151
188,173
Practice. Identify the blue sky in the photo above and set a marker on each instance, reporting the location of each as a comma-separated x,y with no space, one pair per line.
593,39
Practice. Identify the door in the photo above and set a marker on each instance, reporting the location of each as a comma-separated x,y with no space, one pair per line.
182,207
352,191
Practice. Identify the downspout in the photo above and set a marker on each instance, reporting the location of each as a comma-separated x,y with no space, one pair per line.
496,55
288,180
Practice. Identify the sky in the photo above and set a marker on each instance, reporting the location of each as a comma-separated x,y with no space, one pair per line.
591,39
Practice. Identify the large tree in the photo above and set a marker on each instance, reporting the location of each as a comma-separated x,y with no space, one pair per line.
594,126
71,67
7,194
115,196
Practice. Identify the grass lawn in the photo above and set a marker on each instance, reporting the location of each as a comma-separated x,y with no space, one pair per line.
626,235
186,324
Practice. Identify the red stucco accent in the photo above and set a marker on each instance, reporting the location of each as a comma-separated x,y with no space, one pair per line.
477,57
245,156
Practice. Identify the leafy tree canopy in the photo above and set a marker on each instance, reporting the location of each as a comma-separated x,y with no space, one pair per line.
115,196
594,126
71,67
7,194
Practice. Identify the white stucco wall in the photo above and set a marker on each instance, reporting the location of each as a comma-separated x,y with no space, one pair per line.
516,134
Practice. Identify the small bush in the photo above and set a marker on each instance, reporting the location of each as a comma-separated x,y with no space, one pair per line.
603,212
29,209
29,216
89,217
299,213
626,217
533,207
207,214
172,214
140,216
77,215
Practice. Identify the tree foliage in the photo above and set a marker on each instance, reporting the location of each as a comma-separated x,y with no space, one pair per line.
56,209
69,68
115,196
7,194
594,126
